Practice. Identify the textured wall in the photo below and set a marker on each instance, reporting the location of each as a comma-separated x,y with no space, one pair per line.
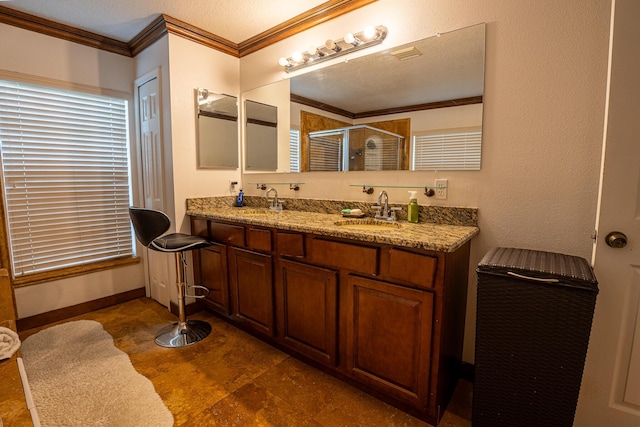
543,119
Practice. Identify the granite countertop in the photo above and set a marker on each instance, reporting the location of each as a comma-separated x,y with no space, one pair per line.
423,235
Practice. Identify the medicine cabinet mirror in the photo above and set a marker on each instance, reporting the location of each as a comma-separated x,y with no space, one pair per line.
217,130
265,136
429,89
262,136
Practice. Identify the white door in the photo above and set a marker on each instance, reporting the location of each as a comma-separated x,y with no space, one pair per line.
610,393
160,273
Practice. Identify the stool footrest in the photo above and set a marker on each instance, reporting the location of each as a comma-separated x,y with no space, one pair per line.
182,334
198,287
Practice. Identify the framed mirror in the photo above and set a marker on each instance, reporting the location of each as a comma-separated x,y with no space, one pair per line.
428,90
217,132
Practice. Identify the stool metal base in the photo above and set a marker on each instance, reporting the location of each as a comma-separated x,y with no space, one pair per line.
182,334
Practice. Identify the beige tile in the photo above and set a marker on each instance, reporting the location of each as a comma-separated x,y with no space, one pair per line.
234,379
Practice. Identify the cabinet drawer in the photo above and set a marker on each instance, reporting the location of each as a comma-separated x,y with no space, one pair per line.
363,259
259,239
412,268
290,244
199,227
226,233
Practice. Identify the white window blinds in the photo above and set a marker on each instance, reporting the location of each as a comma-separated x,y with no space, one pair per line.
294,150
447,150
65,172
325,152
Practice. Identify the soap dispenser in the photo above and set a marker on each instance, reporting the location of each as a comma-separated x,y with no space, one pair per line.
240,199
412,209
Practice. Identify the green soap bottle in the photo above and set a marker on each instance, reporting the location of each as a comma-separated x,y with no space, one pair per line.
412,209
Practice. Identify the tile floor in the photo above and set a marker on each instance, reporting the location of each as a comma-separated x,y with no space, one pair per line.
234,379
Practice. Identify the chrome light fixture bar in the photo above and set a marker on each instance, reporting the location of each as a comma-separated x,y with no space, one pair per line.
351,42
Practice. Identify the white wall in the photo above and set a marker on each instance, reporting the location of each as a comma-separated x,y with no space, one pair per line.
154,61
195,66
40,56
543,119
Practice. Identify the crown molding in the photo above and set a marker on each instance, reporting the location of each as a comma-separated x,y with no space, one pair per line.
148,36
164,24
55,29
323,13
396,110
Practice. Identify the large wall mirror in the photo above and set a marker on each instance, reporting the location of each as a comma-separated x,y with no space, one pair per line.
217,137
395,109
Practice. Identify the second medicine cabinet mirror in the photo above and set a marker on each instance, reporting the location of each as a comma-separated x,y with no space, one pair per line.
261,136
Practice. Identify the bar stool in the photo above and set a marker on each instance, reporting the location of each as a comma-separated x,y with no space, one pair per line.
149,225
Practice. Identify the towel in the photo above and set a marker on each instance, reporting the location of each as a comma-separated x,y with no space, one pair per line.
9,343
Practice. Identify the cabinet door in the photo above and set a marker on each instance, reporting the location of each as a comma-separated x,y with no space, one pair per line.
307,310
251,279
213,275
389,330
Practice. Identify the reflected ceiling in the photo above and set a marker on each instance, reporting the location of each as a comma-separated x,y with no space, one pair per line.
449,66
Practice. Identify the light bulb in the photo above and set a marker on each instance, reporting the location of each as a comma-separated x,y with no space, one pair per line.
312,50
331,45
349,38
369,33
297,57
283,62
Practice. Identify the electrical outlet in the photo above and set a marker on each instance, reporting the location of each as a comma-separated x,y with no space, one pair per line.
441,188
232,186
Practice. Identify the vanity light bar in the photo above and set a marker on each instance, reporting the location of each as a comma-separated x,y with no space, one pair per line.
351,42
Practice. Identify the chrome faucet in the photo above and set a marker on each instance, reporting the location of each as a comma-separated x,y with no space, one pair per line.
384,207
276,205
383,211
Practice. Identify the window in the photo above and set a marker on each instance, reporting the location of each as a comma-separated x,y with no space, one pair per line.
65,170
325,151
455,149
294,150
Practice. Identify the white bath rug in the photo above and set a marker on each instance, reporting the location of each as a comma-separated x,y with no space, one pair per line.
79,378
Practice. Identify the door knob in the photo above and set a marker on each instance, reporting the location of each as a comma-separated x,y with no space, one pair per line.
616,239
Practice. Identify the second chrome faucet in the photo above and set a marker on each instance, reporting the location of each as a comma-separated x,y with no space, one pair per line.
383,211
276,205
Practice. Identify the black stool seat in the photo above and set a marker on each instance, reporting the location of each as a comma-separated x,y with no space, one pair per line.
178,242
149,226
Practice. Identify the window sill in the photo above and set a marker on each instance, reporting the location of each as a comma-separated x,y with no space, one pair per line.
79,270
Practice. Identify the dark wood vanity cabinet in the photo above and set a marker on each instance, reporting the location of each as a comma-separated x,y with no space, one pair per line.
388,335
307,301
251,288
389,318
211,273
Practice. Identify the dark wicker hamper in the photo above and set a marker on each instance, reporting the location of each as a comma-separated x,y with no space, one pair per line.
534,314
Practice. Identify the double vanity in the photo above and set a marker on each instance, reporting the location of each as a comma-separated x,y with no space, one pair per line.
378,304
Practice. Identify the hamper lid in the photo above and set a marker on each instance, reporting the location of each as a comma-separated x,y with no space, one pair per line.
539,264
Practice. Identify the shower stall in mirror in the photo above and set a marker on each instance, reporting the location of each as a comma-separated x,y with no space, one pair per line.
354,148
